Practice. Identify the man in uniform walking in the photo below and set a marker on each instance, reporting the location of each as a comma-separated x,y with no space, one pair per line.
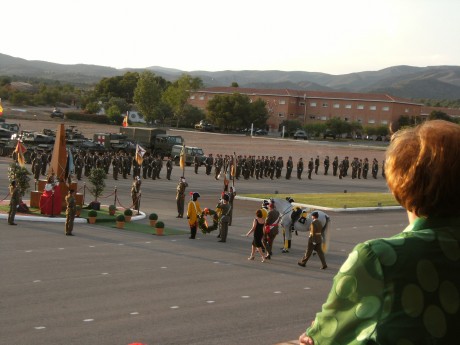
225,209
169,167
314,242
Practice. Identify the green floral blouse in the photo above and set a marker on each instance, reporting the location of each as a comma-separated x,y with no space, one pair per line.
403,290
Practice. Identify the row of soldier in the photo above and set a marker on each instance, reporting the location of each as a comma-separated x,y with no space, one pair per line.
246,166
272,167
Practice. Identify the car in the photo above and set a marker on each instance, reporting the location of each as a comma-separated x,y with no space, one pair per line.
261,132
203,125
6,134
57,113
299,134
329,134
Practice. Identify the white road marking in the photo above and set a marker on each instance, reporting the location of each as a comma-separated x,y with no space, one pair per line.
245,296
40,327
121,244
148,242
277,292
210,302
307,288
92,246
61,248
134,313
174,307
104,274
88,320
216,262
28,251
37,281
163,267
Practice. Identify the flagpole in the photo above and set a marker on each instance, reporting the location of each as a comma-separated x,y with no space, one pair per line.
234,169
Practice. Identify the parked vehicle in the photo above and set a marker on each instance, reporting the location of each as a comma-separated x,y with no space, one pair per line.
5,133
57,113
261,132
299,134
115,141
155,140
12,127
190,153
135,117
329,134
203,125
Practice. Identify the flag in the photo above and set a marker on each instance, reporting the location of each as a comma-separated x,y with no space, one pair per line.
125,120
1,109
70,168
140,152
182,157
20,150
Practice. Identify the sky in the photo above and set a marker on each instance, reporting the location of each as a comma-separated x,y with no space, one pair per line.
330,36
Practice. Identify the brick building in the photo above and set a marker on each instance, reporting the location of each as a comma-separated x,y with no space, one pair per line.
316,106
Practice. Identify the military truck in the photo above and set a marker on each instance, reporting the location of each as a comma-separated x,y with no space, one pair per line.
154,140
190,153
115,141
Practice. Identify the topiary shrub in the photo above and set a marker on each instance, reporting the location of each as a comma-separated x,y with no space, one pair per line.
153,216
92,213
120,218
160,225
128,212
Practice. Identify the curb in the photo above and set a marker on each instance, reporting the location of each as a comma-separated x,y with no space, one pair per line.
330,209
60,220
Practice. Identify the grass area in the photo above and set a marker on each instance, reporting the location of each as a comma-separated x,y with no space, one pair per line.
144,228
337,200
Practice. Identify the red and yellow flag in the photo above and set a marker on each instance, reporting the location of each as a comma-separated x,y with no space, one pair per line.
20,150
125,121
1,108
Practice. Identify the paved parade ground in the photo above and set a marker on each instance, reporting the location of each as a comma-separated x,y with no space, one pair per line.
111,286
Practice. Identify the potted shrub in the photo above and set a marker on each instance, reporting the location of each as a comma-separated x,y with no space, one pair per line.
159,227
120,220
153,217
128,214
112,210
97,180
92,214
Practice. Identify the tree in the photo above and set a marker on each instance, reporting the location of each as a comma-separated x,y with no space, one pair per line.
234,84
97,180
338,126
177,94
289,126
21,175
258,114
147,95
439,115
192,115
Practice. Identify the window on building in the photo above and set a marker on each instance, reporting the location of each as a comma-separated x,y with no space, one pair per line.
323,118
371,121
302,104
282,101
373,107
192,97
384,122
347,106
345,118
386,108
325,105
280,114
312,117
336,105
406,110
201,98
360,106
312,104
360,120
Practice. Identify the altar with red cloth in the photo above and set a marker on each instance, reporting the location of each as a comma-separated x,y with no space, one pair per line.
51,204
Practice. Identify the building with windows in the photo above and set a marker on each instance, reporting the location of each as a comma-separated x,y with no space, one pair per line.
316,106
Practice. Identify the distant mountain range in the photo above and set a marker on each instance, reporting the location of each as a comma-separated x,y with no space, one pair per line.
434,82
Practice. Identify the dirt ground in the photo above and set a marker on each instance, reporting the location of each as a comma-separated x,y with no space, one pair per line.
37,119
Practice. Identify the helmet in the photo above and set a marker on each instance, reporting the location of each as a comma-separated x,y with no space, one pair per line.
226,197
195,195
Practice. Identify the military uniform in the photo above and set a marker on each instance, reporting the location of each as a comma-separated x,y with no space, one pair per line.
314,243
14,202
289,167
180,197
326,165
316,165
299,168
70,213
136,193
365,168
169,167
225,209
310,168
335,166
196,163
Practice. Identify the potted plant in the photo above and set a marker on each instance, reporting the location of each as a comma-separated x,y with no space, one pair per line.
159,227
97,180
153,217
120,220
128,214
77,211
92,214
112,210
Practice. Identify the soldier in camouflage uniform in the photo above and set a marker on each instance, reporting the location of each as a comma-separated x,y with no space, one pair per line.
14,202
70,212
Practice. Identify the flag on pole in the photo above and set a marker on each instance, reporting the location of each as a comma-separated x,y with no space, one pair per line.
140,152
1,108
182,157
125,120
70,163
20,150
